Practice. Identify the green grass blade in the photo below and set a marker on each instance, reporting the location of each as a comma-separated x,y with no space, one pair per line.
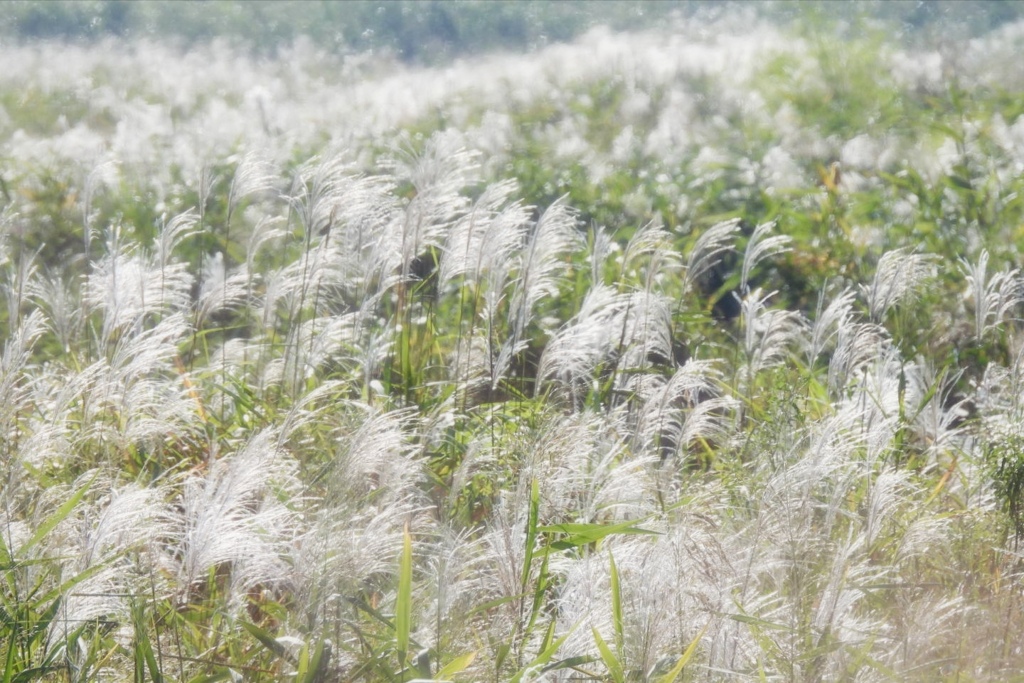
143,648
266,639
211,678
12,644
531,533
403,605
616,603
672,675
610,660
551,647
455,666
56,518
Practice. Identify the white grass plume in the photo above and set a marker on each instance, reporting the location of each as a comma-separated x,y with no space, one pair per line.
935,415
707,251
438,175
553,238
255,174
129,283
219,290
237,514
759,247
768,334
487,236
993,297
650,253
61,301
830,322
857,344
17,353
588,474
316,192
898,277
682,410
572,355
377,459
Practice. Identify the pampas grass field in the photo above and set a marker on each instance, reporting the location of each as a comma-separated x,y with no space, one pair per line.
690,352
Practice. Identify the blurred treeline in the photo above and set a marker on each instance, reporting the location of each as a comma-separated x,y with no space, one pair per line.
432,31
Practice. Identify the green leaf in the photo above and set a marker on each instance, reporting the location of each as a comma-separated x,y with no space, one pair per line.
569,663
616,603
403,604
754,621
610,660
546,654
143,648
268,641
211,678
531,533
318,663
672,675
456,665
56,518
577,534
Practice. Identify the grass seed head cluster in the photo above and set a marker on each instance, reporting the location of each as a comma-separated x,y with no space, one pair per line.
583,364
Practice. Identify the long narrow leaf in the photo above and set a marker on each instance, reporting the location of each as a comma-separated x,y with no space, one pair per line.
551,647
672,675
56,518
616,603
610,660
403,604
531,533
456,665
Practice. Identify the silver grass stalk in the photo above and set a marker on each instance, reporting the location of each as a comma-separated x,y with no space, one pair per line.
236,514
454,571
680,410
828,323
266,231
760,247
554,238
571,356
836,624
345,548
316,193
884,497
768,334
254,175
650,249
707,251
438,175
641,334
98,176
601,245
487,236
310,344
898,276
589,474
857,344
56,433
934,414
19,284
129,284
123,533
171,235
220,291
137,387
377,460
993,297
14,382
61,301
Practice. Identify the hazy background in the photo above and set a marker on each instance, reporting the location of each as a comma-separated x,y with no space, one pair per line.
430,32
